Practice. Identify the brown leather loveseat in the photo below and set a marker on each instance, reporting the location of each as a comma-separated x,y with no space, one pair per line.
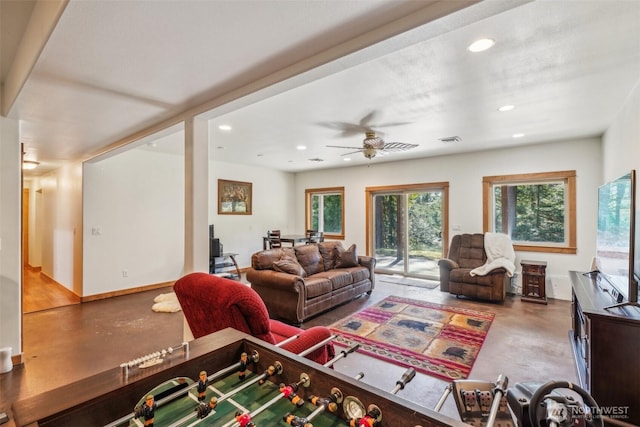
466,253
300,282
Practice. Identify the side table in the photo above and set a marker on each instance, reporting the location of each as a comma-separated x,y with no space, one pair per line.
533,281
224,264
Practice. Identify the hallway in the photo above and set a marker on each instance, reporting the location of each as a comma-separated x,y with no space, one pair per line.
42,293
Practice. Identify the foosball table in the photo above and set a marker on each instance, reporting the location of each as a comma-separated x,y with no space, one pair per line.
227,379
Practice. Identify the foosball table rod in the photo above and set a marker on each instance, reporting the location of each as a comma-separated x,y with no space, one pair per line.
406,378
331,402
342,355
317,346
245,420
254,357
203,409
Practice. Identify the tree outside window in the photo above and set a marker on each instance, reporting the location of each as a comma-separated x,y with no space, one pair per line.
536,210
325,211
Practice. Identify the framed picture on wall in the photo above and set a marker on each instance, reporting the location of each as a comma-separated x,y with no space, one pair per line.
234,197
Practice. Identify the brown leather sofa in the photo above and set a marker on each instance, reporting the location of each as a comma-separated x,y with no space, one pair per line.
300,282
466,253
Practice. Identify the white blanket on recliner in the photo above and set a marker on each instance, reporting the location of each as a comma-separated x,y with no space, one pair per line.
500,253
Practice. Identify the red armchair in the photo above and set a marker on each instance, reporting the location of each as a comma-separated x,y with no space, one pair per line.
212,303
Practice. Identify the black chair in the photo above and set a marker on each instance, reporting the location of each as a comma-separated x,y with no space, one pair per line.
274,239
314,236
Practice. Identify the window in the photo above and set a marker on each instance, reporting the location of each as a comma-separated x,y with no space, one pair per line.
407,228
538,211
324,209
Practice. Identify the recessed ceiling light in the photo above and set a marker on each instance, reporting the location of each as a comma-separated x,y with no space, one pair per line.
225,128
301,147
347,159
507,107
481,45
517,135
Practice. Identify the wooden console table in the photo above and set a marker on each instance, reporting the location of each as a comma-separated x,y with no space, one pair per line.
606,347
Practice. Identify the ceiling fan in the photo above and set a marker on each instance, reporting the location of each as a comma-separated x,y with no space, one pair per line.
372,145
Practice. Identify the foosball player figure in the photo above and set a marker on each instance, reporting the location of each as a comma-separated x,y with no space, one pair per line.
371,419
295,421
202,386
268,373
328,402
242,372
289,391
203,409
147,411
244,420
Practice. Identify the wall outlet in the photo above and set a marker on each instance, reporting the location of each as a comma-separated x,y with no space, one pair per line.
125,273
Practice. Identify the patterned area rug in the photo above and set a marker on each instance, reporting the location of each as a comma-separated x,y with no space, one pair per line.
434,339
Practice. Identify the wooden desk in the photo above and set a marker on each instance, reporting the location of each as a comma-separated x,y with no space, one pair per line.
286,238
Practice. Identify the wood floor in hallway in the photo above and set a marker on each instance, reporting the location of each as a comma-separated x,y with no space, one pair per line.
42,293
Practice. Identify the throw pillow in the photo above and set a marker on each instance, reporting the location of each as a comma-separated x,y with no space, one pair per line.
289,265
328,253
346,257
309,258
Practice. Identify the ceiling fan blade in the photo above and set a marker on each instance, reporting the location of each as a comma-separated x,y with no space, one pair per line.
353,152
367,119
342,146
398,146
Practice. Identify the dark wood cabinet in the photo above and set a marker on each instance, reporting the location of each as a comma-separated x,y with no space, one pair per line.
534,278
606,346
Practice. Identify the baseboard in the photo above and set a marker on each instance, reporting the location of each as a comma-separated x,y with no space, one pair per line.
126,291
17,359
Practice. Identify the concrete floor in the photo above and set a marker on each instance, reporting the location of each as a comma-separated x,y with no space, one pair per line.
527,342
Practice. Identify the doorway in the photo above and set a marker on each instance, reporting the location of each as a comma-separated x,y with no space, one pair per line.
407,229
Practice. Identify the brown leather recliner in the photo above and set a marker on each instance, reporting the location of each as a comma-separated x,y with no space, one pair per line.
466,253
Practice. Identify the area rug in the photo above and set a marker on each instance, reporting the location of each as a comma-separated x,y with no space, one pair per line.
437,340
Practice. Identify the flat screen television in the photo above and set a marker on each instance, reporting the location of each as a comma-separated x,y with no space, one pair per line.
616,239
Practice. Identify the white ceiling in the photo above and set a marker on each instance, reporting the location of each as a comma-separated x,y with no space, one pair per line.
113,68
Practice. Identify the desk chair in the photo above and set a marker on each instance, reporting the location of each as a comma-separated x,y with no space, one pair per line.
314,236
274,239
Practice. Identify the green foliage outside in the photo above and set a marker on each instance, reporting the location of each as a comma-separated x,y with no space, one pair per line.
424,227
331,213
536,212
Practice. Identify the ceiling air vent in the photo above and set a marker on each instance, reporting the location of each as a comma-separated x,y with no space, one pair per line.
316,160
450,139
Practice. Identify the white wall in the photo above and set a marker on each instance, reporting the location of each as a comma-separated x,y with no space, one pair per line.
273,208
10,237
621,142
133,220
464,174
55,225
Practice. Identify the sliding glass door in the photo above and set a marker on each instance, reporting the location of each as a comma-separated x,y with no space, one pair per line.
407,230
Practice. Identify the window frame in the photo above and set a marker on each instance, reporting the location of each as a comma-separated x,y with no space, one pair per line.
309,193
370,192
568,177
